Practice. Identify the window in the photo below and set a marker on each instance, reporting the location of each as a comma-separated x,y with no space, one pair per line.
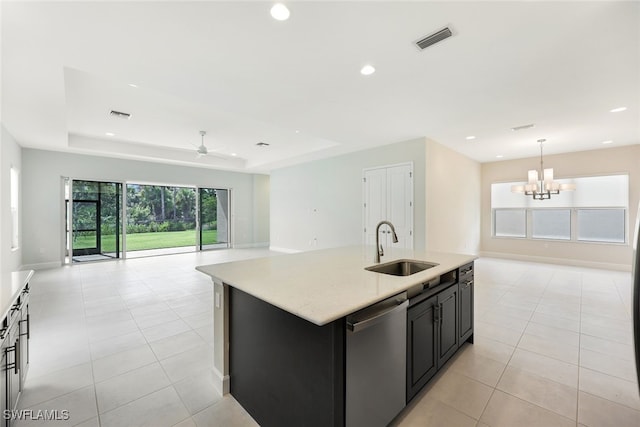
510,223
15,208
551,224
601,225
595,212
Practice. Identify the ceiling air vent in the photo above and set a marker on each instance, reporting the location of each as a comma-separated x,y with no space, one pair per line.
434,38
522,127
120,114
262,144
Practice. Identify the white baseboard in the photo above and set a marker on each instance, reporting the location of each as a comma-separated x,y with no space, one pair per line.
221,382
560,261
283,250
41,266
251,245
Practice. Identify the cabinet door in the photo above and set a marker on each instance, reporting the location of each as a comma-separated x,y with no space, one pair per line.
13,366
422,355
448,325
3,385
24,329
466,308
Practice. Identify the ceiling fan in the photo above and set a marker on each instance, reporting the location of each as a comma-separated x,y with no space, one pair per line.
202,150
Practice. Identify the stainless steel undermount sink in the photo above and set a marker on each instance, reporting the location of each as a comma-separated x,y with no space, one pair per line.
401,267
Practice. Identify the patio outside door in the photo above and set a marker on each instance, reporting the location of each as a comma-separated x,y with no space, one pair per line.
214,218
96,220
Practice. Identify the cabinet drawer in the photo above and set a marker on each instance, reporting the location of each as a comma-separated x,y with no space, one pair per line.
464,271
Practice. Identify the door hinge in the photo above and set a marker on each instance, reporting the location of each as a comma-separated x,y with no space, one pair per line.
365,229
364,179
365,205
410,203
410,232
410,174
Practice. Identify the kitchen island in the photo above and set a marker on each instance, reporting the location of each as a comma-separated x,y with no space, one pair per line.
280,325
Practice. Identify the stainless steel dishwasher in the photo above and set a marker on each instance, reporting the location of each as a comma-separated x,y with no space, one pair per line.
376,363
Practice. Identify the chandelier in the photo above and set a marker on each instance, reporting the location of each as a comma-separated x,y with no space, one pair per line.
541,185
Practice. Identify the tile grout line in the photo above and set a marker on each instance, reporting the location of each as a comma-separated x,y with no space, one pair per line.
604,373
93,378
503,371
507,365
579,350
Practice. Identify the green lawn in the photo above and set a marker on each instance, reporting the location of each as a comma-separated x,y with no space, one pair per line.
142,241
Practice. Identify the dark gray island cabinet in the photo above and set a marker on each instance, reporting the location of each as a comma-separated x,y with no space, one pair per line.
286,357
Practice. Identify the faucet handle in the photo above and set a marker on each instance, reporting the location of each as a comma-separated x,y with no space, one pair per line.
381,251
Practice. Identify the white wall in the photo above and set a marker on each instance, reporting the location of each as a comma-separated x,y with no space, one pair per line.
319,204
10,156
585,163
261,218
453,192
43,199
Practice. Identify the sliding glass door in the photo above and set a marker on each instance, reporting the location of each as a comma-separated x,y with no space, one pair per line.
159,219
214,218
96,231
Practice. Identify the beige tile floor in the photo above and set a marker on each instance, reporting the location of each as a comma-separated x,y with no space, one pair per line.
129,343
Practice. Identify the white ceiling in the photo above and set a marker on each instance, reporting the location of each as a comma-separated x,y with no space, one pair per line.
230,69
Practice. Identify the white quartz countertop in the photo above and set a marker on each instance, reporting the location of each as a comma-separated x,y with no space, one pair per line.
324,285
11,285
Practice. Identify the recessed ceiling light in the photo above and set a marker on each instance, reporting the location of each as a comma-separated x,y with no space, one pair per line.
234,154
470,137
297,131
110,134
367,70
133,85
499,156
617,110
607,142
280,12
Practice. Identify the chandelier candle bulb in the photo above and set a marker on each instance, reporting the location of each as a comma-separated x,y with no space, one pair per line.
548,179
541,185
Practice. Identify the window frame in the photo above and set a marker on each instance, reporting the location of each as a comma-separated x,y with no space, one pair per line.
530,232
625,225
601,192
493,223
14,206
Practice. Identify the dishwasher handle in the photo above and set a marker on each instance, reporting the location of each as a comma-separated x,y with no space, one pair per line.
356,325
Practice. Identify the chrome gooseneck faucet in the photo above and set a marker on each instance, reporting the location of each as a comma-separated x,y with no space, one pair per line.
379,251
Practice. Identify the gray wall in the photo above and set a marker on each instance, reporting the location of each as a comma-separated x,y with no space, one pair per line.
43,214
10,155
319,204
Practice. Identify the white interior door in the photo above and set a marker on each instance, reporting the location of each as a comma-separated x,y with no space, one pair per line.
375,202
400,204
388,195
